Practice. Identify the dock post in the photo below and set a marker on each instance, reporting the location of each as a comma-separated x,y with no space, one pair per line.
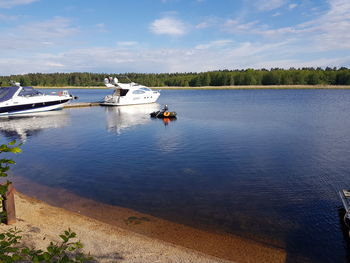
8,205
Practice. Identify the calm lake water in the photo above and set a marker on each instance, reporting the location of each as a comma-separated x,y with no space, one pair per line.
263,164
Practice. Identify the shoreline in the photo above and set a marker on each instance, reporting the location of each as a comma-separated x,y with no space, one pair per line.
252,87
41,224
221,246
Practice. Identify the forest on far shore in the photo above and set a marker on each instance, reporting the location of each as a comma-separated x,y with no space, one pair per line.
275,76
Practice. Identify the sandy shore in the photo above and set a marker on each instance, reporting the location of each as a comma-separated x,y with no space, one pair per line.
41,223
112,232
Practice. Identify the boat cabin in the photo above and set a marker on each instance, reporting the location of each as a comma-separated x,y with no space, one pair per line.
7,93
29,92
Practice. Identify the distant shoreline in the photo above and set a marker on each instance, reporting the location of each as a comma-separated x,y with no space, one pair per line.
218,87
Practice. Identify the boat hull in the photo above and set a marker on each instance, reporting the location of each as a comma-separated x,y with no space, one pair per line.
33,107
124,104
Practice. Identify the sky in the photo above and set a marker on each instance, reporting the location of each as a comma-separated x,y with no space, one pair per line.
166,36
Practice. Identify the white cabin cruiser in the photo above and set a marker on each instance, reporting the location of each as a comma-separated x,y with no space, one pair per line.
21,100
128,93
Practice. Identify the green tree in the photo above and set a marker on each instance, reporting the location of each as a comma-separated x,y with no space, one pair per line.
5,164
313,78
204,79
273,76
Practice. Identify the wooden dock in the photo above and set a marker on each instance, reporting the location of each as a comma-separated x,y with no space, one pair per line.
81,104
345,198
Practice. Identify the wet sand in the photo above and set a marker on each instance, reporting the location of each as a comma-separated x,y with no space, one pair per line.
218,245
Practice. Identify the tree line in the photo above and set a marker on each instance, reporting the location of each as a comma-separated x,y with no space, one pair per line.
274,76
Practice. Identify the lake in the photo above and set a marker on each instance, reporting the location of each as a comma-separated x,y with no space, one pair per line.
262,164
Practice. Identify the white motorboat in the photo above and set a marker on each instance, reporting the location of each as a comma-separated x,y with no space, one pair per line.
21,100
128,93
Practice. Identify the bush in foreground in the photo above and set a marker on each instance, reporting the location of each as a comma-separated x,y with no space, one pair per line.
65,251
11,248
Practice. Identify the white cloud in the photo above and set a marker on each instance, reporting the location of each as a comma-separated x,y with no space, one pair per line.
53,29
208,22
168,26
328,31
101,27
168,1
235,26
220,54
292,6
13,3
331,31
54,65
35,35
320,62
127,43
8,17
277,32
202,25
214,44
264,5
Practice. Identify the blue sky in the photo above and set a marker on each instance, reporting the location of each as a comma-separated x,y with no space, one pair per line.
151,36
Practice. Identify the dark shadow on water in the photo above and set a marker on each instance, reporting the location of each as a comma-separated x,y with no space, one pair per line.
316,245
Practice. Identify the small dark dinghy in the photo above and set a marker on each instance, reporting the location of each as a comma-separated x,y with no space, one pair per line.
163,114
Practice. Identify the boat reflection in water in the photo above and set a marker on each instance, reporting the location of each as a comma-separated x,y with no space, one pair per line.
166,121
124,117
20,127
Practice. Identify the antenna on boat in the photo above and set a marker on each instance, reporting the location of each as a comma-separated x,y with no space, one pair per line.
115,81
14,83
111,82
125,77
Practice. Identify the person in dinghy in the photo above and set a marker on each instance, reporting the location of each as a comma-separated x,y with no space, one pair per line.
163,113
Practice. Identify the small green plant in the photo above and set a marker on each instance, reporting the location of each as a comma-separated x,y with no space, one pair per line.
9,252
11,249
5,163
65,251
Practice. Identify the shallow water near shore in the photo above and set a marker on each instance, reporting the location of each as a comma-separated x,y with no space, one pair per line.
262,164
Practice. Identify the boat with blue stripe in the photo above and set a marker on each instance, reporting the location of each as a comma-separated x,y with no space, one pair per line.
21,100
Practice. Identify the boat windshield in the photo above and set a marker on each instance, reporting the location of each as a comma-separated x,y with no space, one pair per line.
123,92
29,92
7,93
138,91
145,89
